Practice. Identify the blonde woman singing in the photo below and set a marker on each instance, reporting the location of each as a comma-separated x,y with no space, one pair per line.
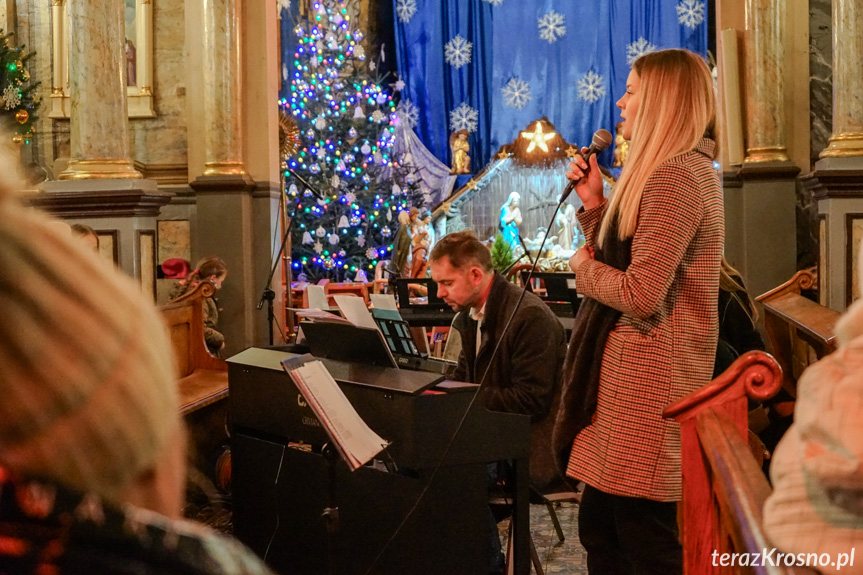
646,333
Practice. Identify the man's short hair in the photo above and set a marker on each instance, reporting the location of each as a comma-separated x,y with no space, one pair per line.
462,249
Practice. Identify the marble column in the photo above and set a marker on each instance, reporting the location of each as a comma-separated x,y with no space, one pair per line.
765,82
98,112
223,105
847,138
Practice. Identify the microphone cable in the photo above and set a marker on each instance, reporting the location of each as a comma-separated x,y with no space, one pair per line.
472,401
600,141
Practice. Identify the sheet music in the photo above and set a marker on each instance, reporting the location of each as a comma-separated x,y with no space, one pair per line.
384,301
317,315
317,297
354,440
355,310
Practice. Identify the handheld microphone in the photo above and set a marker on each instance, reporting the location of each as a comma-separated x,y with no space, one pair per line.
601,140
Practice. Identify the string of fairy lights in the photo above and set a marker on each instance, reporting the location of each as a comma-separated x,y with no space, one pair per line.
346,133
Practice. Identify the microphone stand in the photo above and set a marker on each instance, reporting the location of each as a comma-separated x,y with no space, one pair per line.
269,295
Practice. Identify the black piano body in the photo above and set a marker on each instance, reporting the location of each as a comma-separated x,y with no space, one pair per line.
280,490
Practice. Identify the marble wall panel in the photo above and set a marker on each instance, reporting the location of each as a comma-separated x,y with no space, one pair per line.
162,140
820,76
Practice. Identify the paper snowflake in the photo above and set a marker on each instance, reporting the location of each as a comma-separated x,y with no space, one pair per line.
319,247
371,253
351,197
398,85
638,49
408,113
516,93
457,52
494,2
551,27
361,241
591,87
406,10
464,118
377,116
690,13
12,96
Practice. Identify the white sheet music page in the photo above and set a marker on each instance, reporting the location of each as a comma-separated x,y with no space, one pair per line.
355,310
354,440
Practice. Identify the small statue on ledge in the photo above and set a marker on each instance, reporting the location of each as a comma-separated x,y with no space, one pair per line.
510,219
621,147
460,148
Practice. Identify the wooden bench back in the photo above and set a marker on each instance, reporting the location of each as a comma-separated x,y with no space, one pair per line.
184,317
799,331
724,489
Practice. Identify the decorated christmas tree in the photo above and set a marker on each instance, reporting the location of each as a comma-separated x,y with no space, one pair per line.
345,131
16,98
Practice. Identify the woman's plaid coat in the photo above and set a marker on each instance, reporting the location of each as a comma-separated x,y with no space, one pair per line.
664,344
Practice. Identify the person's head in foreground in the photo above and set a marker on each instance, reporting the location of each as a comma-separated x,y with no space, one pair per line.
89,398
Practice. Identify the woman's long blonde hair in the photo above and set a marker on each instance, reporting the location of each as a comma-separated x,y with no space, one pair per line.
677,108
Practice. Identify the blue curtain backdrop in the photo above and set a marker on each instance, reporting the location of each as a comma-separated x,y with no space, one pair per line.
562,59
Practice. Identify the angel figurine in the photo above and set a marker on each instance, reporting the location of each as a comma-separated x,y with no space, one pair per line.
460,148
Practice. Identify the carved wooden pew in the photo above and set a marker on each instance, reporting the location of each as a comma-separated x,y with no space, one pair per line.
202,378
724,488
799,331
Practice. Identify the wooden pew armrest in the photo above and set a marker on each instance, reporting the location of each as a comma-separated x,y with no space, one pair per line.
201,388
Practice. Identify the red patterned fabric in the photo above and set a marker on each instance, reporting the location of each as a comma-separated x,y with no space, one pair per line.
664,344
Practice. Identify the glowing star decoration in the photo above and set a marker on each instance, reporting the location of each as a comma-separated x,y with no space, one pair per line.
537,138
571,152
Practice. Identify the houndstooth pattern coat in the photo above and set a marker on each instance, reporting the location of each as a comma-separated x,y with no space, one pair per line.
664,344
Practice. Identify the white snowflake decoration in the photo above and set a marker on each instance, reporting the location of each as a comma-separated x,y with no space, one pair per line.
377,115
351,197
494,2
361,241
335,182
638,49
591,87
406,10
321,153
359,52
458,51
690,13
408,113
398,85
371,253
551,27
516,93
464,118
11,96
319,247
320,123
